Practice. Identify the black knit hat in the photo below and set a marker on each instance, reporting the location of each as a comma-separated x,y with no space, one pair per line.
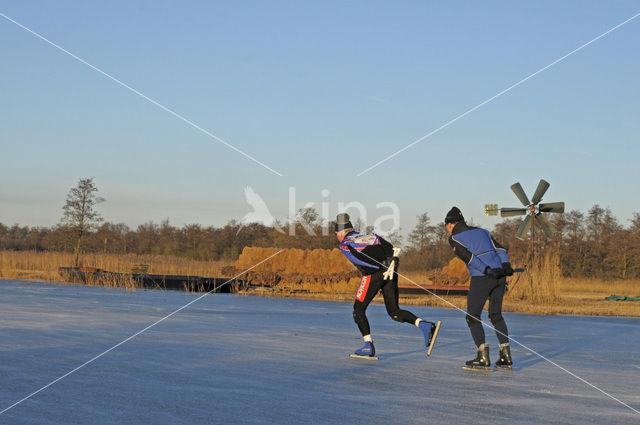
342,222
454,216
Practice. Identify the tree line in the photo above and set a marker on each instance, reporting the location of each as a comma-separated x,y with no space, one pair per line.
192,240
594,244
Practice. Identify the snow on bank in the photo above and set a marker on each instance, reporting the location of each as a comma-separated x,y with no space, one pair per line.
230,359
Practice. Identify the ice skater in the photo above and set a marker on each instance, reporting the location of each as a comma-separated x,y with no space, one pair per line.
488,265
377,261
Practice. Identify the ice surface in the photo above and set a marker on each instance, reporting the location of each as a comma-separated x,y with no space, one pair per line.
230,359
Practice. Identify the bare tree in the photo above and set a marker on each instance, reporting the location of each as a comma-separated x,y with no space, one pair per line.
395,238
422,235
79,212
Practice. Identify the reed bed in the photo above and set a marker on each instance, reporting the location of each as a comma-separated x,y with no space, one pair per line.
596,289
345,287
44,265
295,261
111,281
539,282
540,290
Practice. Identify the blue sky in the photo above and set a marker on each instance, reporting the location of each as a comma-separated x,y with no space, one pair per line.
318,92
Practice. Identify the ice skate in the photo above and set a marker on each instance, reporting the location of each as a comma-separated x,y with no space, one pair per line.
480,363
505,361
430,331
367,352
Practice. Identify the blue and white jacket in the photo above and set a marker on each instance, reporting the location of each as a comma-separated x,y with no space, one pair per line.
477,248
366,251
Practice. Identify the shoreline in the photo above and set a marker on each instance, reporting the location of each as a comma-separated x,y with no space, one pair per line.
565,306
600,308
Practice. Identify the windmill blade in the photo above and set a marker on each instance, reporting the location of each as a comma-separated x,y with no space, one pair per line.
524,228
512,212
517,189
540,191
546,225
552,207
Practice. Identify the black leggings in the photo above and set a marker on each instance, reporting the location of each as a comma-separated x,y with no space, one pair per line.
481,289
369,287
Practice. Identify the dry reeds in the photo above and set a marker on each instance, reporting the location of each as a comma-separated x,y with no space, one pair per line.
110,280
44,265
329,275
317,270
539,282
456,268
589,288
299,261
338,287
454,273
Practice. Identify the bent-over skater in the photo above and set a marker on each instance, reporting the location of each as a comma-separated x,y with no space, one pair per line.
377,261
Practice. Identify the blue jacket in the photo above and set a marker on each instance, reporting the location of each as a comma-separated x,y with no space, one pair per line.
477,249
366,251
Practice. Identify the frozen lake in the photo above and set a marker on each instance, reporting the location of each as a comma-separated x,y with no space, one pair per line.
230,359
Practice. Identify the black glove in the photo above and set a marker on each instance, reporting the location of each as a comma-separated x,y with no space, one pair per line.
496,273
508,270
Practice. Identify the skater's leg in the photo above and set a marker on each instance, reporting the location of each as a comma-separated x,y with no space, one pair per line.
369,287
361,318
495,312
390,294
478,293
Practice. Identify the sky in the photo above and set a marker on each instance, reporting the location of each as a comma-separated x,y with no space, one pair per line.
317,92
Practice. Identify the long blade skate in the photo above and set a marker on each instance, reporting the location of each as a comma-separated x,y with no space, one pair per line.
368,352
356,356
485,369
503,367
434,335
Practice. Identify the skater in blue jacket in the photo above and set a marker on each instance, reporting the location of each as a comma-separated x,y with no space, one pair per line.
377,261
488,265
